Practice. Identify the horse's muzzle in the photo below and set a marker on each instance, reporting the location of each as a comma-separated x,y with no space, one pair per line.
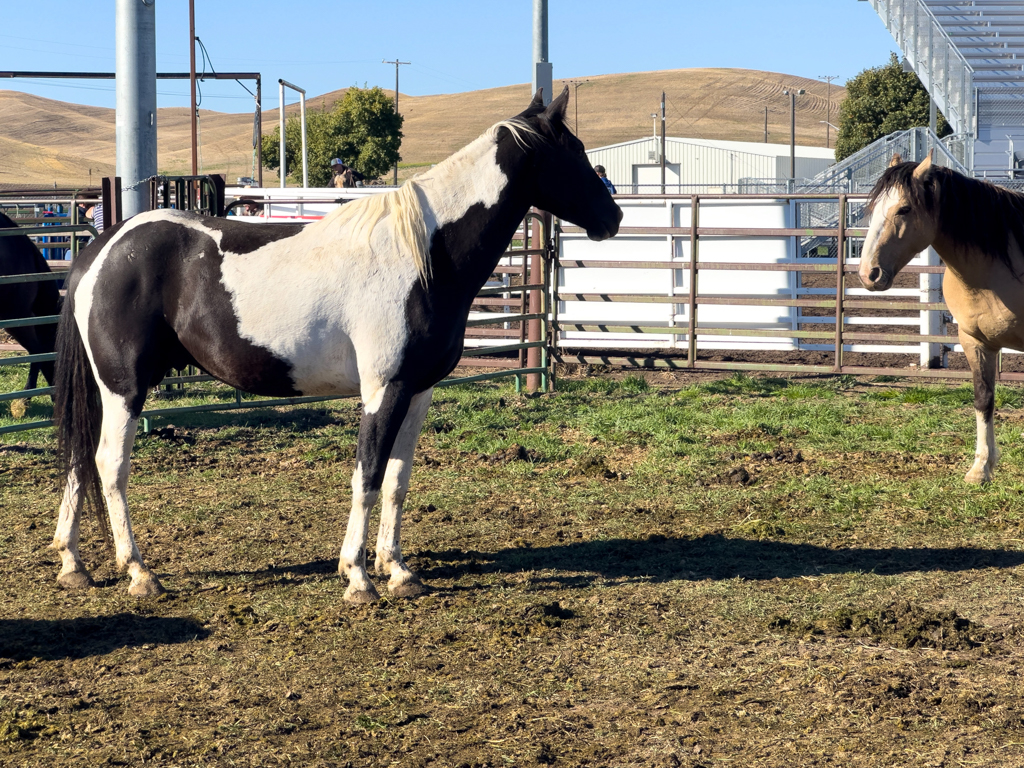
877,279
608,231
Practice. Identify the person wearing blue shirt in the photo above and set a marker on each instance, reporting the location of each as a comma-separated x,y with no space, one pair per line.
599,169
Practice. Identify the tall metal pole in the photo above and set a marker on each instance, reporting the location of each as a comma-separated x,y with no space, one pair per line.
192,82
397,64
766,125
541,65
135,86
282,171
663,142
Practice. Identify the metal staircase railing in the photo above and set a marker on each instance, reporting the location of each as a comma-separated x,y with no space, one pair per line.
935,57
860,171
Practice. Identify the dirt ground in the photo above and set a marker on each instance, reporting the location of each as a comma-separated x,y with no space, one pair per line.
583,611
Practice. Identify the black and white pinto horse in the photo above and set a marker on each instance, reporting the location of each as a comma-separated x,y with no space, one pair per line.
20,256
371,300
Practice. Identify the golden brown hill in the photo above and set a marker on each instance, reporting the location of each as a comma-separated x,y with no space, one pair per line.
44,141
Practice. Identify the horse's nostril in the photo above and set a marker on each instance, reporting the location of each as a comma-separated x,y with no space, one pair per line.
874,274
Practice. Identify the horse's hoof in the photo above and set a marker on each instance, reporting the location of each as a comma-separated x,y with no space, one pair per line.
410,588
361,596
977,478
146,586
76,580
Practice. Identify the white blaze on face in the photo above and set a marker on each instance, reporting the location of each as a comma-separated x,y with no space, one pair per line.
879,214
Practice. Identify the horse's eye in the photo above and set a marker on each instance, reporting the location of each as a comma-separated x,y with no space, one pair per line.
903,211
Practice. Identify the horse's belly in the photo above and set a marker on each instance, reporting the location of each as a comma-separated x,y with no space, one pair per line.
330,369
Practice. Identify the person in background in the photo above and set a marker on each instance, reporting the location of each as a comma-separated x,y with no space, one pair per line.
341,175
599,170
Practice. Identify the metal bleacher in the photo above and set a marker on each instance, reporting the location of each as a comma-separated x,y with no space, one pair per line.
970,58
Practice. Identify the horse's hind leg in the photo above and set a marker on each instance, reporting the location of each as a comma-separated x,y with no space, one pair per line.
983,363
402,581
73,573
117,435
384,411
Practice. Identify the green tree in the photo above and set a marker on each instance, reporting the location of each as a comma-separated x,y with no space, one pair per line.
363,130
880,101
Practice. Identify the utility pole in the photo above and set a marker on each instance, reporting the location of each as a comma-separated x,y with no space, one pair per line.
766,125
663,142
576,103
192,82
397,64
828,105
792,93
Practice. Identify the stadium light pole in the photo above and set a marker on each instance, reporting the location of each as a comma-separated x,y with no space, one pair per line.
792,93
397,64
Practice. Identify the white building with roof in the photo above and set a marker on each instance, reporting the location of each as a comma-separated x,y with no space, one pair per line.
635,166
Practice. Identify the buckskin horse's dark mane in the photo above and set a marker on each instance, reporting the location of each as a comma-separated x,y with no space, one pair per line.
972,212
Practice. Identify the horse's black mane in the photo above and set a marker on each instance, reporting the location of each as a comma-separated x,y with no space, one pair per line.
971,212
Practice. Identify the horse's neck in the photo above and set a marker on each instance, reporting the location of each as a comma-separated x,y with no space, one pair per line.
475,208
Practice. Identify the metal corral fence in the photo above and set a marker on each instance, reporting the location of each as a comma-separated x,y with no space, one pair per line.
678,332
508,321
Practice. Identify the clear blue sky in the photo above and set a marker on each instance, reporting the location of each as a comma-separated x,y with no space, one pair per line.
454,45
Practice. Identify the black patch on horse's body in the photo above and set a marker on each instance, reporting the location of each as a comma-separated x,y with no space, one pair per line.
19,256
166,278
971,212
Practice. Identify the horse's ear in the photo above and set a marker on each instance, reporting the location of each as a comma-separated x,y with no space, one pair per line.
556,109
924,165
896,160
536,106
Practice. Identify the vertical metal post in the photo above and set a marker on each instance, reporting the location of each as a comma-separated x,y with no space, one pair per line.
541,66
691,338
533,329
259,131
192,82
305,155
663,142
135,116
281,154
840,283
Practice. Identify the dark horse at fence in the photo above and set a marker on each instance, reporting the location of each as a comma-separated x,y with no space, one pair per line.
372,300
978,231
19,256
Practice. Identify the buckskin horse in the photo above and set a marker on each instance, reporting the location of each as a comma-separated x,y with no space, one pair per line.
371,300
977,229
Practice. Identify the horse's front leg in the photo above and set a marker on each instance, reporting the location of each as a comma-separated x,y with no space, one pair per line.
401,582
983,362
384,410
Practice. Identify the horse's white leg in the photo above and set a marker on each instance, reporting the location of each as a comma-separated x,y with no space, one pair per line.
73,573
112,463
983,365
402,581
384,410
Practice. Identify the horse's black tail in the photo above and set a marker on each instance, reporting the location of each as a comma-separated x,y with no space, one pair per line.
77,413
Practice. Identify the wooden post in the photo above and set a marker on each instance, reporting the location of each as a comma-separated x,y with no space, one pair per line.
111,192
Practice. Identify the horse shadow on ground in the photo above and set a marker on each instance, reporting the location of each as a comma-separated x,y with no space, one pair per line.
23,639
662,558
712,556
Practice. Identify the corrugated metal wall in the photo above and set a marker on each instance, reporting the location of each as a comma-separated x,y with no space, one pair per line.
630,163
